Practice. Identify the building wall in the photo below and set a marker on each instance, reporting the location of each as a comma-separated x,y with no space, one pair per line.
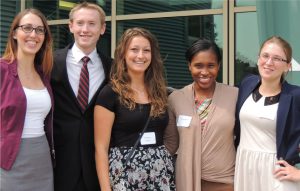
176,24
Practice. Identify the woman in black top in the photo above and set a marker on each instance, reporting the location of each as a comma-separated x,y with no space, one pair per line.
137,91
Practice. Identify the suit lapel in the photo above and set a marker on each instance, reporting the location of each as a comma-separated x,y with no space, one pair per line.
283,109
245,94
68,87
60,73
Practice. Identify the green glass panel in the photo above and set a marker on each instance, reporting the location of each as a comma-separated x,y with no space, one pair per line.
241,3
281,18
58,9
8,10
152,6
246,45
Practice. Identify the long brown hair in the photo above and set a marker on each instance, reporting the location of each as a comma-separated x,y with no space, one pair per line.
44,56
154,76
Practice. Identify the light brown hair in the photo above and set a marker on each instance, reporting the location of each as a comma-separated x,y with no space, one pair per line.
154,78
44,56
286,47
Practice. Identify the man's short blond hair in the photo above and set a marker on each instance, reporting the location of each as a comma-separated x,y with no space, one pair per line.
88,5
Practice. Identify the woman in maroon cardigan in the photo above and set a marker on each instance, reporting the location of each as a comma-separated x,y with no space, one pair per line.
26,105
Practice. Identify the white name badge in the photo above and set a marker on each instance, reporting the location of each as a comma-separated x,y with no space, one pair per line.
148,138
184,121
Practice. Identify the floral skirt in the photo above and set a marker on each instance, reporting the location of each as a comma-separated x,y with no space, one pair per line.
149,169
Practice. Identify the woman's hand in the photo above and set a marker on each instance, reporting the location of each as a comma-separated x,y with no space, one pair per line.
287,172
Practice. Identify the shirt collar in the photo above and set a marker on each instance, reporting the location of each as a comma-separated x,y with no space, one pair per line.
268,100
78,54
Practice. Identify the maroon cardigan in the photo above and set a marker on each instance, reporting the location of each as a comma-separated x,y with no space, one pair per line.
13,109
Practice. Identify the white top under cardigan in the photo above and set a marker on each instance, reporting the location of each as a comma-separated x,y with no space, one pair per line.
37,108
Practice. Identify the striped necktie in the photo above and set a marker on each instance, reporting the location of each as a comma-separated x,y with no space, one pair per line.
83,89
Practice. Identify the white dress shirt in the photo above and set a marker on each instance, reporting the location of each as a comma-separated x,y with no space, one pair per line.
95,68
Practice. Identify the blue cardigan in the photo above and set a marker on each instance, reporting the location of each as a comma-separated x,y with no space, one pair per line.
288,118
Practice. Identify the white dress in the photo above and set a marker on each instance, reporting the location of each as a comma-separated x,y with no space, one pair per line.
256,154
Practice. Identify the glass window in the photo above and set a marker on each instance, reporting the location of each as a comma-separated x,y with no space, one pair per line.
240,3
8,10
247,48
246,45
58,9
62,37
174,44
293,76
281,18
152,6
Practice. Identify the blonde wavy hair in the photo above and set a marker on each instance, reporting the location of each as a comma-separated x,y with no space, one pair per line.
154,75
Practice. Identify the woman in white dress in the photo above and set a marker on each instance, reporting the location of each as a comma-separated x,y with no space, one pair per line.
268,123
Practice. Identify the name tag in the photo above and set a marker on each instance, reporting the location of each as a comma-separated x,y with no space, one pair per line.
184,121
148,138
